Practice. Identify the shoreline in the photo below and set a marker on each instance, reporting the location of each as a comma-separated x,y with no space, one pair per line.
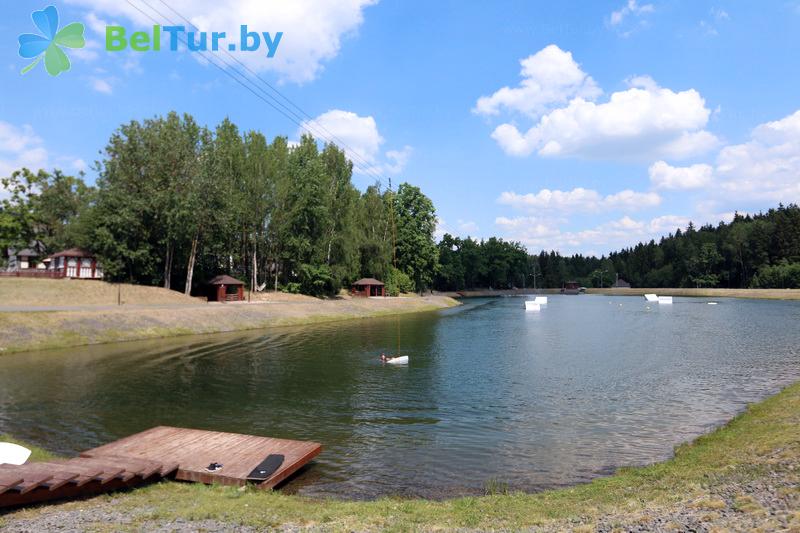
762,294
741,475
28,330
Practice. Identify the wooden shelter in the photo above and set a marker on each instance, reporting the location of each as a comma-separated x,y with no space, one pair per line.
75,263
225,288
368,287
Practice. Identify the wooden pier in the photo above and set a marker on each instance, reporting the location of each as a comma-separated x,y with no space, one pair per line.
158,453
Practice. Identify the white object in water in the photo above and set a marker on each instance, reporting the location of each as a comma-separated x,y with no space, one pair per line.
13,454
531,305
665,299
541,300
651,297
712,303
402,360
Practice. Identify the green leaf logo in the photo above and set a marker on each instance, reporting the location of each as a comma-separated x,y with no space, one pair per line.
48,44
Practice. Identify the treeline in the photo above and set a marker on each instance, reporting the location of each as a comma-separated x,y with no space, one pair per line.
176,204
759,251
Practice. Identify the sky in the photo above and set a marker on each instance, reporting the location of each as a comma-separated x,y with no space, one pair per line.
582,127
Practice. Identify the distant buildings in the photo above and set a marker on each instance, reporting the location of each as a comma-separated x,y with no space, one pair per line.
75,263
621,284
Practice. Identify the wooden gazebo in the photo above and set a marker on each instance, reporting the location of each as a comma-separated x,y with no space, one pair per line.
225,288
368,287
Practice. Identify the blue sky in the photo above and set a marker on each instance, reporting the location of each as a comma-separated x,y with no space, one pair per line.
582,127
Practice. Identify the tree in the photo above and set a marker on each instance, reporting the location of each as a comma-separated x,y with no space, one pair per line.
416,221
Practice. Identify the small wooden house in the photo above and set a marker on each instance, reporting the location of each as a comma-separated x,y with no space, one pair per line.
621,284
368,287
75,263
225,288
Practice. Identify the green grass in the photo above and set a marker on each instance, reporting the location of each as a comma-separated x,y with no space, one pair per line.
765,437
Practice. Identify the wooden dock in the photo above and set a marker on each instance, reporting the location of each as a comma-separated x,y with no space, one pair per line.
158,453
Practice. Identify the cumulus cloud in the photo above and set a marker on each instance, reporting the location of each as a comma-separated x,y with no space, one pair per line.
549,77
767,167
664,176
313,29
542,234
360,139
579,200
20,147
645,120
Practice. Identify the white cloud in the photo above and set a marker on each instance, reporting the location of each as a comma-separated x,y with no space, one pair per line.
579,200
643,121
549,77
467,227
313,29
631,8
397,159
359,137
20,147
767,167
664,176
102,85
359,134
543,234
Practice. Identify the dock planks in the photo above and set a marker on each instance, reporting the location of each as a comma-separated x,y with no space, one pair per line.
158,453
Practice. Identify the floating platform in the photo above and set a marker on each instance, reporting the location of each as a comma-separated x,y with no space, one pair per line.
158,453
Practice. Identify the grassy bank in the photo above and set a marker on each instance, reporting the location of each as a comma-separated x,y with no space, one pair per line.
741,476
155,313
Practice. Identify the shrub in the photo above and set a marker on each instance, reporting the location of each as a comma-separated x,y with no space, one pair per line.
398,282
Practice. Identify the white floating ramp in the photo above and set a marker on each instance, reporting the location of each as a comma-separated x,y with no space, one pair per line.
541,300
531,305
651,297
665,300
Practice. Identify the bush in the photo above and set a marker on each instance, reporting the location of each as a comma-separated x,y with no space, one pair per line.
291,288
317,280
784,275
398,282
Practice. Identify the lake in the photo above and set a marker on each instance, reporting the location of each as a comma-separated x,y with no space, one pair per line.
493,394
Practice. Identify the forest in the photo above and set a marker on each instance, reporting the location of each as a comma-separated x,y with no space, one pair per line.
176,203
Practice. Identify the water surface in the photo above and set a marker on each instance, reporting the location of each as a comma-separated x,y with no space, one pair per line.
492,394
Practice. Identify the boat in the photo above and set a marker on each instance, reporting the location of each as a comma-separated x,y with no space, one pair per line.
400,360
13,454
531,305
651,297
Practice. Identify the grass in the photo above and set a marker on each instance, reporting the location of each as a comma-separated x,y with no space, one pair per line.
763,438
25,331
42,292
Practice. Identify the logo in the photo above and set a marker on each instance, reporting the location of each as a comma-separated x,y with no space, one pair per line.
117,40
48,45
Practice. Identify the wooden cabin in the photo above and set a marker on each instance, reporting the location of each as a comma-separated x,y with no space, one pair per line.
75,263
368,287
225,288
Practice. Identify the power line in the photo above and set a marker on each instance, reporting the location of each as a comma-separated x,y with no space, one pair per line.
249,85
